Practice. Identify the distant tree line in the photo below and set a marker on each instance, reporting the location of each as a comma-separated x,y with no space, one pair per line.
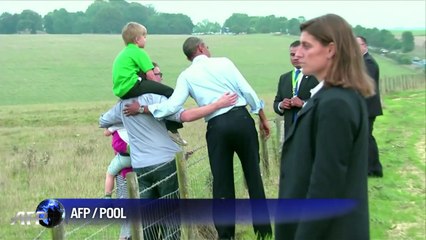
385,39
108,17
104,17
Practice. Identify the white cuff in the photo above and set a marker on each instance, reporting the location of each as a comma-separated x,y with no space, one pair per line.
279,108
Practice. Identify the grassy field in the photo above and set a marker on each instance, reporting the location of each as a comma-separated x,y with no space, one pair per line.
55,87
397,202
77,68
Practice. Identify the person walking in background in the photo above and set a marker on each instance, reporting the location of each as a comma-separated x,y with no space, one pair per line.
325,153
229,130
374,108
293,89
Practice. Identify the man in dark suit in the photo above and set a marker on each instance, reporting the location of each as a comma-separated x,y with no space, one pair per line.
293,90
374,108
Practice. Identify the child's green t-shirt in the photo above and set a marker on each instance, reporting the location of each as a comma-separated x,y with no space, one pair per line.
126,66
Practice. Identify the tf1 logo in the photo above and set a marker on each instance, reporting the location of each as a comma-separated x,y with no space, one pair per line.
25,218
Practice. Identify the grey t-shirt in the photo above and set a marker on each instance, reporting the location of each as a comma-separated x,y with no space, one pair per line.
150,143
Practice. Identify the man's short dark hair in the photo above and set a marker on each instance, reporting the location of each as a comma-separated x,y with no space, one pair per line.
295,44
190,46
363,39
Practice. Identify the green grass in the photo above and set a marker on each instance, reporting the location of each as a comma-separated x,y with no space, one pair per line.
69,155
55,87
77,68
397,202
388,67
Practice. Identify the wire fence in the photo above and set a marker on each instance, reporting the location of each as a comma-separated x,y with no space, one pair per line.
402,83
194,165
195,181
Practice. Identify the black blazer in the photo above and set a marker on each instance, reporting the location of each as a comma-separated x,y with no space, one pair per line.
285,90
374,106
325,156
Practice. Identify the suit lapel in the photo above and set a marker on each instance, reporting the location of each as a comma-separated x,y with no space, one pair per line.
310,104
305,86
288,90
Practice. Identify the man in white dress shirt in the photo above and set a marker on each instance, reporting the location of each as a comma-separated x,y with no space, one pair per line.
229,130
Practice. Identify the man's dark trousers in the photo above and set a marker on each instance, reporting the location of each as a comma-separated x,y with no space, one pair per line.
231,132
374,165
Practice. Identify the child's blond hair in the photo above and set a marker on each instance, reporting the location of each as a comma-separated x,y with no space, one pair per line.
131,31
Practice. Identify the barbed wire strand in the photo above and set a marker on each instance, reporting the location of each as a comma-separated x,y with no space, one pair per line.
194,162
188,154
40,233
77,228
100,230
158,183
153,170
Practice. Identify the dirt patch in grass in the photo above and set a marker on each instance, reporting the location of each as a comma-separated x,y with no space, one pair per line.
420,146
416,183
399,230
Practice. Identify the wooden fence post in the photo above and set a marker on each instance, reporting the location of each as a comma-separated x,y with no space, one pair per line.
389,85
401,83
265,155
58,232
279,136
396,82
384,86
187,231
275,148
404,82
182,176
392,85
133,189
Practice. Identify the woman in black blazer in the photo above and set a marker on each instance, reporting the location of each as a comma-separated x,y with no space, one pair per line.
325,153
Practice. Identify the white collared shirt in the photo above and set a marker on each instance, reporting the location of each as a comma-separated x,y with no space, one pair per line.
299,80
206,80
316,88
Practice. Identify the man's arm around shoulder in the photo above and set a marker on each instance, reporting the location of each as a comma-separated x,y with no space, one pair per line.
189,115
228,99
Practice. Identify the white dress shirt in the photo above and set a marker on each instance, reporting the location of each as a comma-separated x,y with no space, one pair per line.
299,80
316,88
206,80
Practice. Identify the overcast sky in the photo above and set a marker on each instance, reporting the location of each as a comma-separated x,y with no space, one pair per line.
381,14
